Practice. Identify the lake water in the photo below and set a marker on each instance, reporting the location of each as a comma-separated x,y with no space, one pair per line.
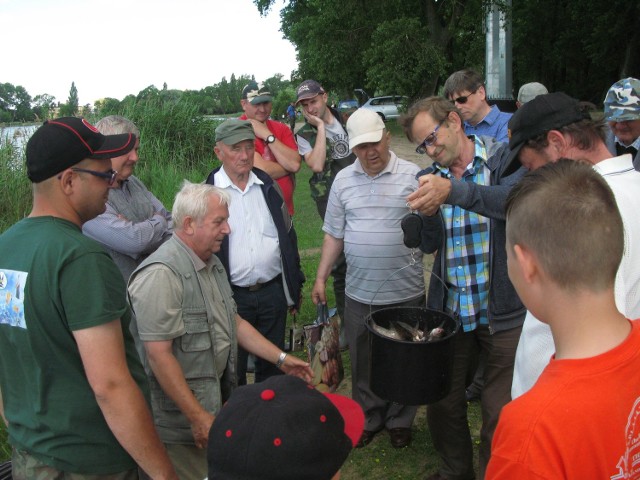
18,135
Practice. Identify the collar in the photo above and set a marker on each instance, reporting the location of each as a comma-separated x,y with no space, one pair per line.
617,165
490,118
223,180
635,144
198,263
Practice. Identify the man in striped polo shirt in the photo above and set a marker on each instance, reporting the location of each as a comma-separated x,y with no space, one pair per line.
366,205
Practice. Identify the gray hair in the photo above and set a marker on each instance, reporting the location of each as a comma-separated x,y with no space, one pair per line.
193,200
115,124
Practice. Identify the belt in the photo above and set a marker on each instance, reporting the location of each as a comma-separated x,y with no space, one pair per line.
259,285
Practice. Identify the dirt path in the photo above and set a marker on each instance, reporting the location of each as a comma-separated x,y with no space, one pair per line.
407,150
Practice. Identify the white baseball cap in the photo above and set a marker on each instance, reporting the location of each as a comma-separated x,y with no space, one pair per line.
364,126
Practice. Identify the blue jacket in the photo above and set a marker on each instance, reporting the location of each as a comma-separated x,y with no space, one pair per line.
293,276
505,310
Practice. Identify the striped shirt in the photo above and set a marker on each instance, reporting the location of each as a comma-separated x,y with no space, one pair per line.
366,213
467,250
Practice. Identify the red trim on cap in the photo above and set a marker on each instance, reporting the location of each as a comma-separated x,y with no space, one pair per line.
99,152
75,132
89,126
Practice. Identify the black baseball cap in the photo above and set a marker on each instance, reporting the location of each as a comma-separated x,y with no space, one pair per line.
537,116
61,143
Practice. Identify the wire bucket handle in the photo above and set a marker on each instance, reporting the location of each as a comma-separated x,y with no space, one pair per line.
411,264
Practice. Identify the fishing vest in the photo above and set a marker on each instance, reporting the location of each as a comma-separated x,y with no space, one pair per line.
195,349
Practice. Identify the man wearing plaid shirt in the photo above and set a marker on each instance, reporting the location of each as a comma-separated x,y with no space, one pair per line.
461,200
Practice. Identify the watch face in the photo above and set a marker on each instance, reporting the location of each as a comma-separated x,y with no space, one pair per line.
271,139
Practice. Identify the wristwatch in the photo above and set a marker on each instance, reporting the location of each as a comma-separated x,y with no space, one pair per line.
270,139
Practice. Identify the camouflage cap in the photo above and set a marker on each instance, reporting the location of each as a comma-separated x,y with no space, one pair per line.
623,101
256,93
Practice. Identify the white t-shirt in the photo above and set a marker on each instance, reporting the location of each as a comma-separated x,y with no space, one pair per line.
337,138
536,342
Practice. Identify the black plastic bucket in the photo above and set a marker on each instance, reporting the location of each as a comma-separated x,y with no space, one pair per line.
411,373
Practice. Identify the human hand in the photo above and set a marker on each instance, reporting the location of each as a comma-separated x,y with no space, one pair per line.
432,192
294,366
200,429
318,294
312,119
260,129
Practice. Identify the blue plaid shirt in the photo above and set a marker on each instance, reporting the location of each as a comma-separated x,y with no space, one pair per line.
467,250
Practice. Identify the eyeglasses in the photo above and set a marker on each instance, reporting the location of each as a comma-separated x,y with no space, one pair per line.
109,176
427,142
462,100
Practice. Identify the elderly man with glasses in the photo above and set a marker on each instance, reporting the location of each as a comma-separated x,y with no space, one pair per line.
135,222
461,200
466,90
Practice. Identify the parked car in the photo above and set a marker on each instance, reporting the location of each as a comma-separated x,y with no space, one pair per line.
347,107
387,107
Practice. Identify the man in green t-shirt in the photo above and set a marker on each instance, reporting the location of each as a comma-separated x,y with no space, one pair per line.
72,383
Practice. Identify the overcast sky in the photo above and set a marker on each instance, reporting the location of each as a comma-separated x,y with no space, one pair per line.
117,47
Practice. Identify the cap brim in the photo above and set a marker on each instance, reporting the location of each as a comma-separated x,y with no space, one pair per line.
237,138
261,99
351,413
513,161
308,96
369,137
626,117
115,146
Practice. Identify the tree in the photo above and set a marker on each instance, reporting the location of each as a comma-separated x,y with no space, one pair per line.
411,46
386,46
70,108
43,106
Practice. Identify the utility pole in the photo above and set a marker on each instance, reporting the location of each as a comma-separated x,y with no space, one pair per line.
498,67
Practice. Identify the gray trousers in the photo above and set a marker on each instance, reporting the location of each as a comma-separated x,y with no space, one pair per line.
379,413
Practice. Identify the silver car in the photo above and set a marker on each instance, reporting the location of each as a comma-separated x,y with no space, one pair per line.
387,107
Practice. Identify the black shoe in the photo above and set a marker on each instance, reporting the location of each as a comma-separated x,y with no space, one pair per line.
365,438
400,437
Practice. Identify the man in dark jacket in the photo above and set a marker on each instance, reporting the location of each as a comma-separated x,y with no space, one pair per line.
261,253
461,199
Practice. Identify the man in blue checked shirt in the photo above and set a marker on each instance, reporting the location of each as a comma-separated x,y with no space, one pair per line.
461,199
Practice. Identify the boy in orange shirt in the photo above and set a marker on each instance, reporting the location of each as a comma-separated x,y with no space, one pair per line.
582,418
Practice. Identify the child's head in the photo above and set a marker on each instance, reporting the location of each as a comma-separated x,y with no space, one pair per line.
566,216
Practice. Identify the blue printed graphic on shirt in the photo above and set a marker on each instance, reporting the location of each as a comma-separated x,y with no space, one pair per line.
12,298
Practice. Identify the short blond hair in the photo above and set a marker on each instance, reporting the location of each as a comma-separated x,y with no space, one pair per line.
567,215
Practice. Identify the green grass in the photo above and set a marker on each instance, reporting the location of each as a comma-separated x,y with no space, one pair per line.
378,460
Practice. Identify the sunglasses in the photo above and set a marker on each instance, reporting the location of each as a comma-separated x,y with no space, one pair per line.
462,100
109,176
427,142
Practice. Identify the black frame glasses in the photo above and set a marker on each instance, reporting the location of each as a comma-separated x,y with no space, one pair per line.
463,99
428,141
109,176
